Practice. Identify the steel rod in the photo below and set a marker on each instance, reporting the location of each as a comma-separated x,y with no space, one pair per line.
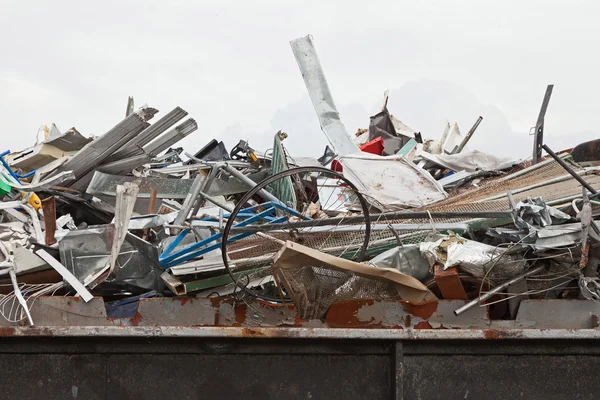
462,144
569,169
497,289
263,193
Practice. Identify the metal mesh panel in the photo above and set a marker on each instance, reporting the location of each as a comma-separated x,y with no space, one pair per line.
472,200
496,186
258,251
314,289
255,250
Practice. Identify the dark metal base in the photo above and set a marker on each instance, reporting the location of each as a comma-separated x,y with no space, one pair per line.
212,368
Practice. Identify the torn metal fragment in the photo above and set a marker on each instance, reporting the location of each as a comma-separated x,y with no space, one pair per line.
68,276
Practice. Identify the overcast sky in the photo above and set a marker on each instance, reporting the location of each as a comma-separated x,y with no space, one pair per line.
229,64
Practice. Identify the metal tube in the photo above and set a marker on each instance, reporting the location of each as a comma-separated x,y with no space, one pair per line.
216,202
188,203
497,289
462,144
569,170
205,188
266,195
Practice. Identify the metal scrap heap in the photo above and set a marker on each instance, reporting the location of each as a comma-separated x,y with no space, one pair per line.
403,230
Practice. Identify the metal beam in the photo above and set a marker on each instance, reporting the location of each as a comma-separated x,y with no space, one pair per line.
538,140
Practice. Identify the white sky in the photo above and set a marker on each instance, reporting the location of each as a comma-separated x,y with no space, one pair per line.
230,66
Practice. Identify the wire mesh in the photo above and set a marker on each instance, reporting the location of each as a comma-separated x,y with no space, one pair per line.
314,289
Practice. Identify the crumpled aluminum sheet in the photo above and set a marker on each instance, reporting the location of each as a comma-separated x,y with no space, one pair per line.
85,252
549,237
534,212
476,258
406,259
14,232
151,221
469,161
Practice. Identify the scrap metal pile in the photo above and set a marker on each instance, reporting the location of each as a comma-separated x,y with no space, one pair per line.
385,214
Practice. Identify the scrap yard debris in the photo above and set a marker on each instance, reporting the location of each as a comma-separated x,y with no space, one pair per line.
388,215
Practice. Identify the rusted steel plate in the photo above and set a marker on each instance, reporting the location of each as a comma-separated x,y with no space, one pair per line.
49,208
449,283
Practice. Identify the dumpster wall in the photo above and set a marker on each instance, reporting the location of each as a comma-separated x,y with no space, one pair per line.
192,368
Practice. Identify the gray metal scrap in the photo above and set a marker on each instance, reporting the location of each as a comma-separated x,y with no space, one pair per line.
130,106
165,141
94,153
149,134
37,228
125,165
106,184
319,92
190,199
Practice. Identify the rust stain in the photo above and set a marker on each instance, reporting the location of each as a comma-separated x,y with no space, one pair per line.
215,301
7,331
240,314
251,332
501,334
408,321
423,325
344,315
135,321
183,300
421,310
584,257
267,333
